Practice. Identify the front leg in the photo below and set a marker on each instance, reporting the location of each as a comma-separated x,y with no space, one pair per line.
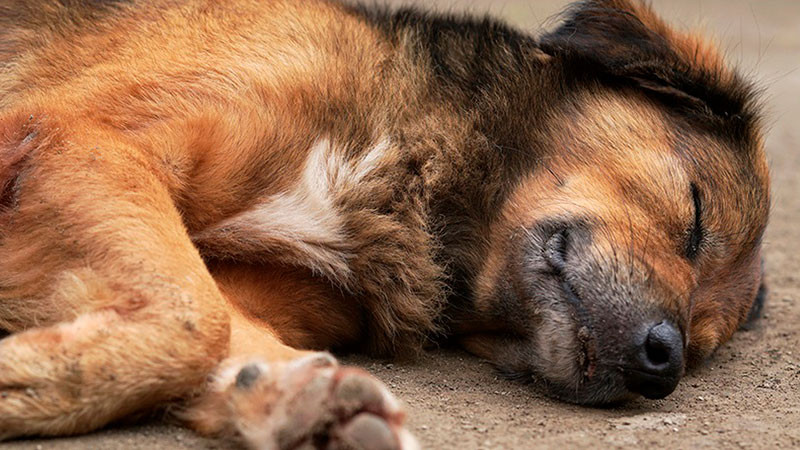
112,307
307,402
269,395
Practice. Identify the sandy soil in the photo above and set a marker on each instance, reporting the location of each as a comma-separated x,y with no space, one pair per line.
747,395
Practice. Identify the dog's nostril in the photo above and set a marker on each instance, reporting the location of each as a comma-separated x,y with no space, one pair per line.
663,346
555,250
657,362
660,344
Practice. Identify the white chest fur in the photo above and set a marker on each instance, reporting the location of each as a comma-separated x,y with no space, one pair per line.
303,224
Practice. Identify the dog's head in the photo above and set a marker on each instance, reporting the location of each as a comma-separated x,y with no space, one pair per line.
633,249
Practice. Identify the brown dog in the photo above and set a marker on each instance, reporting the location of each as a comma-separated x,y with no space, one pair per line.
196,187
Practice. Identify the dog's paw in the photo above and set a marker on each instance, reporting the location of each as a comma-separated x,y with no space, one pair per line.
311,402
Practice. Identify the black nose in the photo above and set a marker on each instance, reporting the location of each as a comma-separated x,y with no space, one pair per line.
656,365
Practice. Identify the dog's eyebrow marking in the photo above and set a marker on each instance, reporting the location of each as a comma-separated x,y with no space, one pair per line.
303,224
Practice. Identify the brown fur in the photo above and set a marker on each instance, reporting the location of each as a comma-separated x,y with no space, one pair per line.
197,187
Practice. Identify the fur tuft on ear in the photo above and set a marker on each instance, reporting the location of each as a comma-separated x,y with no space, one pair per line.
624,41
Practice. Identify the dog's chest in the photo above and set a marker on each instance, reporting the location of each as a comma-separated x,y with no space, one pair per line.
305,223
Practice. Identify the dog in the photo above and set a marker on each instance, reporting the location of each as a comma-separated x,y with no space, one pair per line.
198,199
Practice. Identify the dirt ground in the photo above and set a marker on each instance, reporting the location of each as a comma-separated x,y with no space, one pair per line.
747,395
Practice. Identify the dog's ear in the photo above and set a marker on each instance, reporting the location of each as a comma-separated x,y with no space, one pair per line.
624,41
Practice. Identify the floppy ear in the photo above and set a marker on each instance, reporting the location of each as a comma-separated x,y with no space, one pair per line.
624,41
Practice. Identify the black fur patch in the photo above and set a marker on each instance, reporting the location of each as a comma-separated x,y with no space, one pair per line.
467,54
473,62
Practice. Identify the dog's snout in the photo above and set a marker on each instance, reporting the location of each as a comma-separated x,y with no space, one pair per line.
657,361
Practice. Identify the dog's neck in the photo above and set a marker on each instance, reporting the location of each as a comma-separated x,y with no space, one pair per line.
482,99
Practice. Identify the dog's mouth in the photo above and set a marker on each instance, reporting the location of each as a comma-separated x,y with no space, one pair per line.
593,345
587,357
584,336
637,357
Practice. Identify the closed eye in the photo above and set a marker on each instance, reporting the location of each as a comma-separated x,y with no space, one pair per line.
697,233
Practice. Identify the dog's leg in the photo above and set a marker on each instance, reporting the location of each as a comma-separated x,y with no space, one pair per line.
271,396
92,247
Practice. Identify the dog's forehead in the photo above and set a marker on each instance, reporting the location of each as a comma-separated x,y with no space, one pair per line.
625,127
623,134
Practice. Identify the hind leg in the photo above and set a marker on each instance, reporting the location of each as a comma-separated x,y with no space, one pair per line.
112,307
269,395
